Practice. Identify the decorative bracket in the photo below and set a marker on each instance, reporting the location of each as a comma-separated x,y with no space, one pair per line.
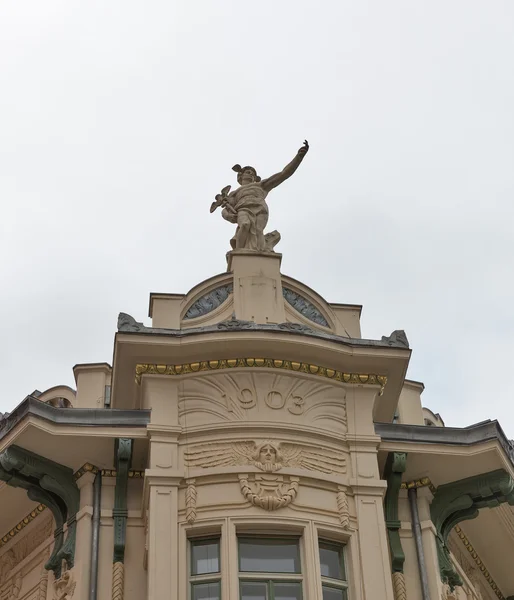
461,501
123,450
395,467
50,484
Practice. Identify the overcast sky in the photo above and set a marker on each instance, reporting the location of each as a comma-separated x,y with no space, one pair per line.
120,120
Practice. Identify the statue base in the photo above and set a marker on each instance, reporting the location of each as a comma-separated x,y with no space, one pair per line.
257,286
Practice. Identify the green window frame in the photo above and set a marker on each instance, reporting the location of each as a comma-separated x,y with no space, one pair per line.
270,580
205,568
334,580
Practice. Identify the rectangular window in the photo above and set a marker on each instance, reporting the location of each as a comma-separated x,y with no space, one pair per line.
205,572
269,568
333,571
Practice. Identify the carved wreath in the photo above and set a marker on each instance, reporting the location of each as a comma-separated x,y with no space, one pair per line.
269,493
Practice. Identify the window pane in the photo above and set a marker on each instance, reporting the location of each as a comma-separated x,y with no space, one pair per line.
251,590
206,591
331,562
205,557
269,556
287,591
330,593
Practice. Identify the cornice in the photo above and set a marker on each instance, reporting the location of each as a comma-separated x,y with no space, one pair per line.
22,524
127,324
83,417
269,363
456,436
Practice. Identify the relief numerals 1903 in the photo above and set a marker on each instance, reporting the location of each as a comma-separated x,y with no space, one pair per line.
247,398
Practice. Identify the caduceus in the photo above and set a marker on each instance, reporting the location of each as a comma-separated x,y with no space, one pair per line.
220,199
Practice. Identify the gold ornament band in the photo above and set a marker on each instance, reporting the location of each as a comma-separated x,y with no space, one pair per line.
268,363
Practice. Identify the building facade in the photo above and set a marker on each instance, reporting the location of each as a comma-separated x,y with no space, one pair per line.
249,444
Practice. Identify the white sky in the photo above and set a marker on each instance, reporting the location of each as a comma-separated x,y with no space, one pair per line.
120,120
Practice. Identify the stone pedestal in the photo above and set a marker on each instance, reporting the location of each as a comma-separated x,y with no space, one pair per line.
257,286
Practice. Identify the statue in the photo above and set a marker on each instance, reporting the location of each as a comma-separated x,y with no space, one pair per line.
247,206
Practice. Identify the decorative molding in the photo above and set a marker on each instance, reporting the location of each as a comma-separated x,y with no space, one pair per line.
419,483
191,495
5,539
268,456
43,580
460,501
24,548
85,468
269,363
48,483
395,467
10,589
343,507
119,511
64,587
209,302
89,468
399,586
304,307
478,561
269,492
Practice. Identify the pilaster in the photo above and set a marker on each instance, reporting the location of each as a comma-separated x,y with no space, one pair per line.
368,490
84,534
162,480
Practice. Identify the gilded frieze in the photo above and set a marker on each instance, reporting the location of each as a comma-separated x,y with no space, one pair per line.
269,363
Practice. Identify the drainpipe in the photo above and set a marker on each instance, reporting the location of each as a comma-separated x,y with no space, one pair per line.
416,528
95,539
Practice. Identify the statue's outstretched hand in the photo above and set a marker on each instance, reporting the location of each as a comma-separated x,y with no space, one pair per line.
304,149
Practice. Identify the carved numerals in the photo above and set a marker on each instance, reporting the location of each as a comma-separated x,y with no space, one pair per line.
262,396
247,398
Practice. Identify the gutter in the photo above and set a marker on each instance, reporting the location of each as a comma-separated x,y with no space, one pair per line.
95,539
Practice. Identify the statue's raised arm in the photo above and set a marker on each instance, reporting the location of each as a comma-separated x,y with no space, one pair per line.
272,182
246,206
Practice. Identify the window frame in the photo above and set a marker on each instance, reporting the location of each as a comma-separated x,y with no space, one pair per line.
331,582
267,577
202,578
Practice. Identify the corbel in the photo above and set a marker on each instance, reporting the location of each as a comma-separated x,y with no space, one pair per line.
395,467
53,485
462,501
123,450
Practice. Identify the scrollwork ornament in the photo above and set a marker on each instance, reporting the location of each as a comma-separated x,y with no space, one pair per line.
64,587
269,492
